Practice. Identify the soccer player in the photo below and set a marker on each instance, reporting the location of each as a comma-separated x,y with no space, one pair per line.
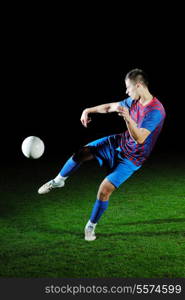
123,153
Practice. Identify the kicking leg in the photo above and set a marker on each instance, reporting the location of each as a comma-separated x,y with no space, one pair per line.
105,190
73,163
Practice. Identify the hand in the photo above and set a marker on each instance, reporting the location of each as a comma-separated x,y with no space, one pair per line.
124,112
85,119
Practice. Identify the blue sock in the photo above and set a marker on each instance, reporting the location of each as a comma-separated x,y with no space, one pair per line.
98,210
69,167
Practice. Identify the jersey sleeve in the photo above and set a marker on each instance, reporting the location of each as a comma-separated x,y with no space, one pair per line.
127,102
152,120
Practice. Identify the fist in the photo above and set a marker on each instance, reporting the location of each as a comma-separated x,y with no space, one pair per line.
124,112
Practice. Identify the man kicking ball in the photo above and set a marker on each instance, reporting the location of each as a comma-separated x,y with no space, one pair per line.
124,153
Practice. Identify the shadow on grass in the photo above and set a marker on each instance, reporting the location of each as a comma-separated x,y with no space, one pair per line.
155,221
124,234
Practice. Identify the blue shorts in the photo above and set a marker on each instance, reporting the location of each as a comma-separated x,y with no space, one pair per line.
106,150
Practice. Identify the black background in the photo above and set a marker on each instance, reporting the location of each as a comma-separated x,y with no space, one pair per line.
49,79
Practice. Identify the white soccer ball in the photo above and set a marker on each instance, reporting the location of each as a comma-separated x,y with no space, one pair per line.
33,147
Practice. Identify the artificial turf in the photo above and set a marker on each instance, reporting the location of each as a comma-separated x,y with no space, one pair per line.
142,234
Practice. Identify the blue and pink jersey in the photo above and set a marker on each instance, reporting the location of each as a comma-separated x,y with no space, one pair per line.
150,117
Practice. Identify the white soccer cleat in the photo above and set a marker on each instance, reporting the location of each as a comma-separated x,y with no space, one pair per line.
89,232
50,185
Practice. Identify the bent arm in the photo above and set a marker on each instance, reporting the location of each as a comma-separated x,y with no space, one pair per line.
138,134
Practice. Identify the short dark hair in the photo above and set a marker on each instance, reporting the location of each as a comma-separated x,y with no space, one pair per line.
137,75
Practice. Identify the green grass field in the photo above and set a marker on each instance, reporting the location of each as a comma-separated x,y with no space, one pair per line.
142,234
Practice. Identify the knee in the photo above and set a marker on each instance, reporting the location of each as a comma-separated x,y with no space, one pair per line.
104,194
83,154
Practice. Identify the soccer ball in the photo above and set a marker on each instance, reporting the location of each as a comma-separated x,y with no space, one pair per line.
33,147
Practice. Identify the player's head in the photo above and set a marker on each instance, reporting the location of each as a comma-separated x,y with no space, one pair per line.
136,80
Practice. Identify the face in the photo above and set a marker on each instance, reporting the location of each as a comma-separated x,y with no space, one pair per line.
132,89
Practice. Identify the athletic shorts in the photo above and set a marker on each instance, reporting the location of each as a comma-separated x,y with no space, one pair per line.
106,151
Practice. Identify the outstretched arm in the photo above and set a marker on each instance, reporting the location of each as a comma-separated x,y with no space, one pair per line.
102,109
